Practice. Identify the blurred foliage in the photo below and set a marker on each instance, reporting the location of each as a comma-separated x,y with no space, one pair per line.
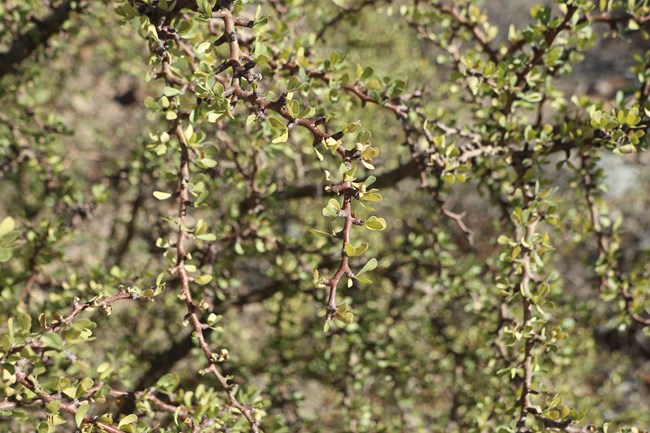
340,216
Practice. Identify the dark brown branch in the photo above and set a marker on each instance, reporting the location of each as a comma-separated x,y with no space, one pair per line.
344,267
192,310
389,179
344,12
26,43
478,34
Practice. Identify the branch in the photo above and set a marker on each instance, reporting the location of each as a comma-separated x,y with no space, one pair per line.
27,42
163,362
320,36
478,34
70,408
603,240
388,179
181,250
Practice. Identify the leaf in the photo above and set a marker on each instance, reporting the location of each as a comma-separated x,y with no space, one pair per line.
5,254
171,91
168,383
373,84
363,280
7,225
343,313
307,112
367,73
346,317
206,163
370,266
204,7
129,419
58,420
203,279
355,251
282,138
82,410
371,196
85,384
369,181
70,392
329,212
189,131
176,412
207,237
374,223
369,153
161,195
319,233
204,47
52,340
53,406
334,203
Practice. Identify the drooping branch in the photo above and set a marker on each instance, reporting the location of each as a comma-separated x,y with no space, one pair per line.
192,310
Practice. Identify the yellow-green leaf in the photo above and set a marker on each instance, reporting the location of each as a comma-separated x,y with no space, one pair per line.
129,419
374,223
371,196
7,225
161,195
203,279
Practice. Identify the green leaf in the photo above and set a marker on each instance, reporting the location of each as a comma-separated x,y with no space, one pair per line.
82,410
168,383
370,266
204,7
367,73
207,237
58,420
84,385
171,91
369,181
52,340
5,254
320,233
205,163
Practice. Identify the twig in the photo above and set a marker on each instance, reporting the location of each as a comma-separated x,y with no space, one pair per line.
26,43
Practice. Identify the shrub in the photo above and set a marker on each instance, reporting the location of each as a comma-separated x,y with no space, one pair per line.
346,216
